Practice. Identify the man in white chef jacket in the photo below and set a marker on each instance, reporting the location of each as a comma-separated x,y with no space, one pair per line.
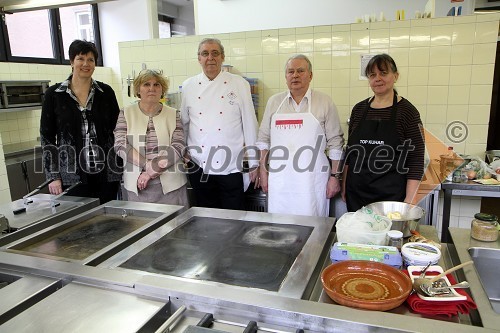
298,127
219,121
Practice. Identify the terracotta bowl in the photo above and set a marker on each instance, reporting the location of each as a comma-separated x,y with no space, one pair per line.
366,285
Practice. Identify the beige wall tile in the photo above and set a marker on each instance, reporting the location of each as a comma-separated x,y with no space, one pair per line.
476,134
440,55
441,34
271,63
465,19
287,31
480,94
401,24
439,75
436,114
237,47
253,46
340,27
479,114
322,42
379,38
357,94
270,45
486,32
417,95
360,27
487,17
341,40
462,54
178,67
323,79
322,28
484,53
254,63
287,44
420,36
253,34
341,78
460,74
270,33
272,79
419,56
437,95
341,96
399,37
304,30
457,113
418,76
322,60
458,95
341,59
360,40
463,34
305,43
482,74
400,55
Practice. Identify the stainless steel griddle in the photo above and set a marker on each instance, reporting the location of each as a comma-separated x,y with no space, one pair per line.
269,252
95,234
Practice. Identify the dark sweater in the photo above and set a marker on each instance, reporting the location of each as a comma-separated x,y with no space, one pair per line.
61,134
408,126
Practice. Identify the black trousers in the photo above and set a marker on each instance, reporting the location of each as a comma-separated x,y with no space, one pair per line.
96,188
217,191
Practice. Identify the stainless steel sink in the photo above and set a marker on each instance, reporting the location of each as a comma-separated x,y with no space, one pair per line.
487,263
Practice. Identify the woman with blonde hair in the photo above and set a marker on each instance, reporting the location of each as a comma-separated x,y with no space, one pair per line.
150,138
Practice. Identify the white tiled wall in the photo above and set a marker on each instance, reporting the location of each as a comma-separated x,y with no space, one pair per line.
446,65
446,70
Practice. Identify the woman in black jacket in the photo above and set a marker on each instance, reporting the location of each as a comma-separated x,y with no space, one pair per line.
76,130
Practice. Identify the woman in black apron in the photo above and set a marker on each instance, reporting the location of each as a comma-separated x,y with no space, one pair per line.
385,150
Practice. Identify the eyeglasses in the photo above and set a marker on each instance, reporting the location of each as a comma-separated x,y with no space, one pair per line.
214,54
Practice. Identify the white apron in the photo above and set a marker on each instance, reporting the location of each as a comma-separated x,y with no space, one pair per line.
293,190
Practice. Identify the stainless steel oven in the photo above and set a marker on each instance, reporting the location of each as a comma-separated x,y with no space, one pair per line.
14,94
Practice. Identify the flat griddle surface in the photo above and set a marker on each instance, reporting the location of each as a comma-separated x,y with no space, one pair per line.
86,238
235,252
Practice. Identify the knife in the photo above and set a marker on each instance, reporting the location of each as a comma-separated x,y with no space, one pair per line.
128,85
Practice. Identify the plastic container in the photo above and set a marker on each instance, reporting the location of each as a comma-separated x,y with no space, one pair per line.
420,254
395,238
484,227
348,251
347,233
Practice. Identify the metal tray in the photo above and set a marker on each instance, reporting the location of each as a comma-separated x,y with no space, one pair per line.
97,234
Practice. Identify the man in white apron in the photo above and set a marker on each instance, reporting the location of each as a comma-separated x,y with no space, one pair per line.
298,126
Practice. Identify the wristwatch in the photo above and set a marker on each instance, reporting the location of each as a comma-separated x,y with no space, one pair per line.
336,175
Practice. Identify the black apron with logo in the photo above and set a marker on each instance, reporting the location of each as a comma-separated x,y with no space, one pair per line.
373,173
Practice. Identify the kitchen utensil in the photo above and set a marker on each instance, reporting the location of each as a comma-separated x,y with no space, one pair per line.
418,282
128,85
432,291
422,272
410,215
26,197
366,285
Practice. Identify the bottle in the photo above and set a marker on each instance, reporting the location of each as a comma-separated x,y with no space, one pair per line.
395,238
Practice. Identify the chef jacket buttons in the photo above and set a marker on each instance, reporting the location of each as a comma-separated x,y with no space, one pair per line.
199,97
225,82
222,97
220,112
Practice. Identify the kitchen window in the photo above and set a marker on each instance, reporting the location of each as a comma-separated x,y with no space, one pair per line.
44,36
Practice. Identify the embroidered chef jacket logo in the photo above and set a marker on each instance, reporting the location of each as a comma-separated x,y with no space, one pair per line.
231,96
290,123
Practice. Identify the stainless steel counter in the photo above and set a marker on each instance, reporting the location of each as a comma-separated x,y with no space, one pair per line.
41,213
460,244
147,292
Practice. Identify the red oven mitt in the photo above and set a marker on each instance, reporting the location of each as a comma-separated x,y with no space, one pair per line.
447,308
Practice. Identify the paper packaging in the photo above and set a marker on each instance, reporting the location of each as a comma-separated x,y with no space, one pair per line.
351,251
